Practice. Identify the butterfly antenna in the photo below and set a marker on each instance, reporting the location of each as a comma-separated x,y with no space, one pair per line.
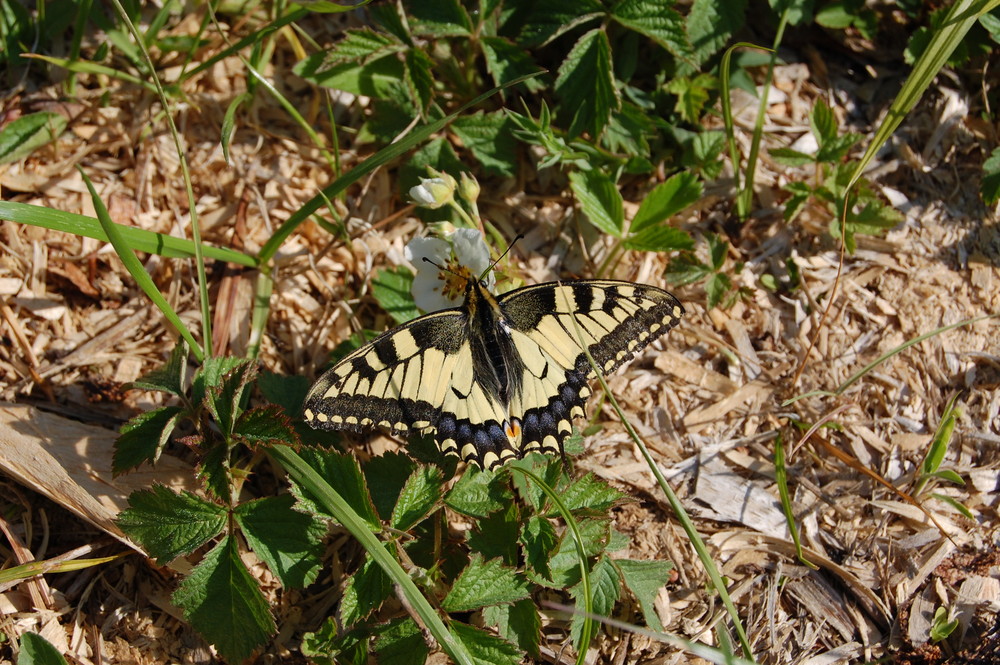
500,258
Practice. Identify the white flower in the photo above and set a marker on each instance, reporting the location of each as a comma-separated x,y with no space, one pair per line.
434,193
462,257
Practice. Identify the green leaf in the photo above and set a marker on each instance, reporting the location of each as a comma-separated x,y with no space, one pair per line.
382,78
586,86
823,122
629,131
169,377
391,288
538,536
439,18
288,392
265,425
505,62
645,579
478,493
419,80
659,239
485,583
949,475
590,492
419,497
386,476
355,46
954,503
790,157
365,592
225,399
565,563
942,437
488,137
210,374
289,541
401,642
547,20
989,185
169,525
656,20
717,250
486,649
496,535
343,474
686,269
605,590
692,95
518,623
600,200
941,628
19,138
710,24
36,650
222,601
143,438
717,286
667,199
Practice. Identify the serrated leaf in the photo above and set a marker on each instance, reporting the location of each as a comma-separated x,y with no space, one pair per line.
143,438
400,642
600,200
645,579
222,601
169,525
213,467
547,20
484,648
365,592
386,476
717,286
667,199
518,623
355,46
169,377
36,650
590,492
586,86
392,289
485,583
823,122
19,138
290,542
477,494
565,563
288,392
224,400
265,425
506,61
496,535
210,374
654,19
419,497
790,157
539,538
710,24
692,95
439,18
686,269
605,590
660,239
419,80
342,473
488,136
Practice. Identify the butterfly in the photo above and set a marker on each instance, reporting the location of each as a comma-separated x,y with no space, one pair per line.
499,376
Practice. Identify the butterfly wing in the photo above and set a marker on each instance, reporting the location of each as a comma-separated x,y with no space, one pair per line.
552,323
418,377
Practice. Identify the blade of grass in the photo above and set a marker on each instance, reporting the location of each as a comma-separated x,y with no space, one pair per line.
139,274
87,67
781,477
305,475
139,240
199,261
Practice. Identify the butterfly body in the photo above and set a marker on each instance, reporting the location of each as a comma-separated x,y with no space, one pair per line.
499,376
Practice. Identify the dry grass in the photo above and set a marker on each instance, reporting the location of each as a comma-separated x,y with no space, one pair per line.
709,398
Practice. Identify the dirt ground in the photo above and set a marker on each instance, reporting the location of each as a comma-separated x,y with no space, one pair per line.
710,397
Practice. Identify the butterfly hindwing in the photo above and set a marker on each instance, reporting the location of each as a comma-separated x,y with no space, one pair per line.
551,323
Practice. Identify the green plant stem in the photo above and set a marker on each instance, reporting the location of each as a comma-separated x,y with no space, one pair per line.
305,475
587,634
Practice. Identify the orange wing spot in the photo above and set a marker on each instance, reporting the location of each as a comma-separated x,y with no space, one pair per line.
513,429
